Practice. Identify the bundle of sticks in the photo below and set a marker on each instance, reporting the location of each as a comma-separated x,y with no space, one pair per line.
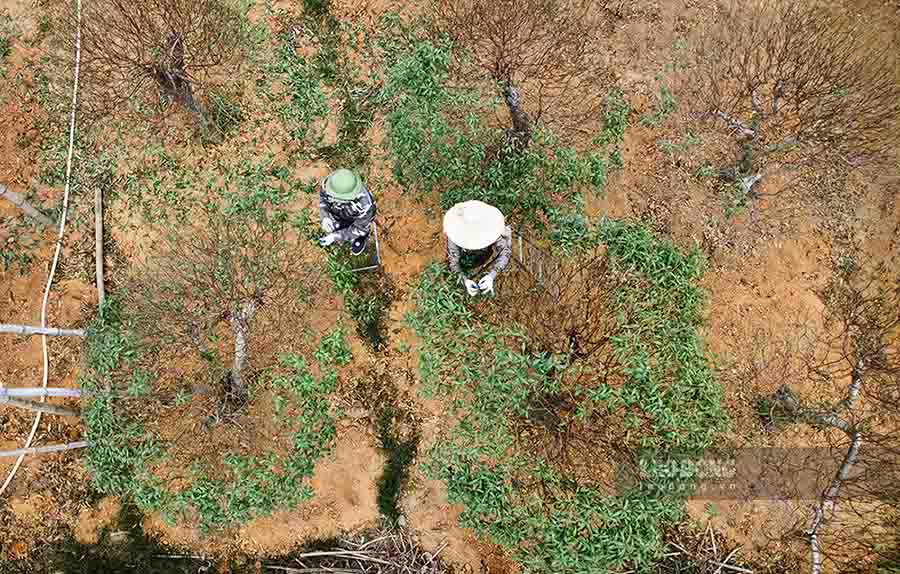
373,552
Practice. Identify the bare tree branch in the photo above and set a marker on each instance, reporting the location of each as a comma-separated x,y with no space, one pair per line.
158,48
23,205
544,56
798,82
857,347
227,269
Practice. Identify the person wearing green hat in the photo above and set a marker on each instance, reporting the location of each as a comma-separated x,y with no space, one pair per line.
346,210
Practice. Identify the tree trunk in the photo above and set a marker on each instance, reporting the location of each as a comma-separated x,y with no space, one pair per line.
789,402
240,325
743,172
23,205
173,81
519,136
829,499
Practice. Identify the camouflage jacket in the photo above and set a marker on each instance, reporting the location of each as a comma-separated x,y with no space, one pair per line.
351,219
501,250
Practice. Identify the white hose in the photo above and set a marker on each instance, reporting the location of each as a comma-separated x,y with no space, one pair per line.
59,241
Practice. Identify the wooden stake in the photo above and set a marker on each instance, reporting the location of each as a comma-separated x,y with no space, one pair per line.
23,205
98,242
29,330
43,449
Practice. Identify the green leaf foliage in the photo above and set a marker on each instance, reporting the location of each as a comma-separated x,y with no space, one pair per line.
441,141
123,453
551,521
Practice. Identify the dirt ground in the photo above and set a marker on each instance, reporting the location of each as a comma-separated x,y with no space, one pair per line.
763,267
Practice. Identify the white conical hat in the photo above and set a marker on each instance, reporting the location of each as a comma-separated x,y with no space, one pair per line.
474,224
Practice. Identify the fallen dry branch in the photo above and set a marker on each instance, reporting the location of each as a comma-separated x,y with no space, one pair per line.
373,552
38,407
29,330
313,570
24,206
700,552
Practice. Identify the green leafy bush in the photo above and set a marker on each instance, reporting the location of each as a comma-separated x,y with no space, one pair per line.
551,520
366,297
122,453
663,106
305,103
441,139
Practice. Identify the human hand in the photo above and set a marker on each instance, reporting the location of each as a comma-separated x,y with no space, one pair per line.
327,240
471,287
486,284
328,224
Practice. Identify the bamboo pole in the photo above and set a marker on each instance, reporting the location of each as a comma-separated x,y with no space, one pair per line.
23,205
59,241
38,407
40,392
29,330
98,242
44,449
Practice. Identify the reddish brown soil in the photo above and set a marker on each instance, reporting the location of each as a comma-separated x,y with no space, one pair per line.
91,521
345,500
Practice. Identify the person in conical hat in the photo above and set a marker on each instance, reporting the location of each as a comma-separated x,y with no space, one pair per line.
478,243
346,210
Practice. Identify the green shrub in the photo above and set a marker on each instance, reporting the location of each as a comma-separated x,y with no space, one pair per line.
305,103
333,349
439,140
664,104
366,297
491,381
122,453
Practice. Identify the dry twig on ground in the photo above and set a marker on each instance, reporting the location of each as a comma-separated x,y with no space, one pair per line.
373,552
700,553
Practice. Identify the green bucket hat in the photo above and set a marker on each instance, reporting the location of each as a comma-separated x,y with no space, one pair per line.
343,185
